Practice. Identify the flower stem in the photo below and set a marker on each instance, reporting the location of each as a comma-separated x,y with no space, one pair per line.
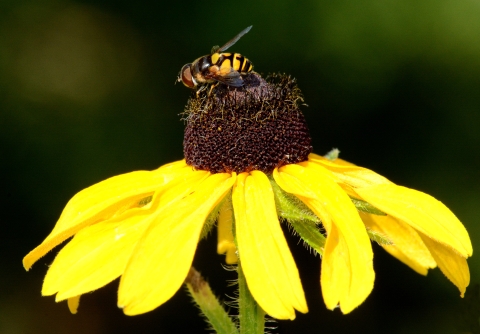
209,304
250,314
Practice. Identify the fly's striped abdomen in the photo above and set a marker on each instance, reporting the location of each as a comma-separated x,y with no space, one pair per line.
231,60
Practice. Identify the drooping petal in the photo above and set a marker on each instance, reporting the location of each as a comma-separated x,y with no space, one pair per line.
102,201
421,211
73,304
226,244
99,253
96,255
407,246
271,274
452,265
347,265
162,258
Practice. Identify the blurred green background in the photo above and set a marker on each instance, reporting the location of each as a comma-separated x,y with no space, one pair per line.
86,92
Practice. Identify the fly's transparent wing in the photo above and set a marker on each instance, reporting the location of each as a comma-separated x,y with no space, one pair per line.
228,76
234,40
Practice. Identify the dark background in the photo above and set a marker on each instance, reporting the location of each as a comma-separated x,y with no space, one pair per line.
86,92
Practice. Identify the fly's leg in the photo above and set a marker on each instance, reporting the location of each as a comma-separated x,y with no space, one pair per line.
212,87
201,89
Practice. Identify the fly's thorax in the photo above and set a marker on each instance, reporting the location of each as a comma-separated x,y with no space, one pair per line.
255,127
199,67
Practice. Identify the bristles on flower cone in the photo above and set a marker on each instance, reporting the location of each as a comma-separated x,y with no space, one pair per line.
255,127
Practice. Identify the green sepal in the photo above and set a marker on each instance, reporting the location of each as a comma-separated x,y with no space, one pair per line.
379,238
300,217
332,154
209,305
366,207
144,201
250,315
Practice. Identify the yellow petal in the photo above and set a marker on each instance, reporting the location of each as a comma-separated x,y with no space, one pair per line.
407,246
102,201
96,256
226,244
349,174
338,161
73,304
162,258
271,274
421,211
347,266
453,265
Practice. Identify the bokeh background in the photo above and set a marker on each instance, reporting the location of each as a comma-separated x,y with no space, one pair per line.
86,92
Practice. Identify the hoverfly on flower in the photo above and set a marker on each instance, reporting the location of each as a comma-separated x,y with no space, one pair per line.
218,66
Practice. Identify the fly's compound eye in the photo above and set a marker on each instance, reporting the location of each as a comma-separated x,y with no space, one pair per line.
186,76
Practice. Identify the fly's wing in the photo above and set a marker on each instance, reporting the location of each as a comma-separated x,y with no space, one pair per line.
233,79
228,76
234,40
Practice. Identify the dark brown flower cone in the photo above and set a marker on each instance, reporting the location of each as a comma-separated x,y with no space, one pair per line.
255,127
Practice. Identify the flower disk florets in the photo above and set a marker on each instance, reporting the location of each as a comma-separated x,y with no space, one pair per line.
255,127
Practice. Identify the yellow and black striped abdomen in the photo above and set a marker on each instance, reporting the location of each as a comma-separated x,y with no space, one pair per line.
232,60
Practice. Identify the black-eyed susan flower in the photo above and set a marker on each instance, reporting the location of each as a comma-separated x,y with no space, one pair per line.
248,165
